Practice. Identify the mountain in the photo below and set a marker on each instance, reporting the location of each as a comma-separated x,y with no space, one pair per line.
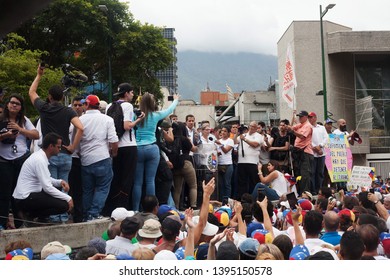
241,71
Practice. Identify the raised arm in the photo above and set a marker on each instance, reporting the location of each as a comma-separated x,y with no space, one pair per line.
34,86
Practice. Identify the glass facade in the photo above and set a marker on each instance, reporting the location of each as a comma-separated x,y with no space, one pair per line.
372,78
168,77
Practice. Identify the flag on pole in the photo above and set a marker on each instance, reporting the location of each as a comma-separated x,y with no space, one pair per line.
289,80
229,92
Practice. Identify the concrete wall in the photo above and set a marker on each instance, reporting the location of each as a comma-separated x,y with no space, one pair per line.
74,235
255,101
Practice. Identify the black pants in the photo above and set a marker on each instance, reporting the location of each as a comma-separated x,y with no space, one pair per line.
76,190
163,181
41,205
123,166
9,173
247,178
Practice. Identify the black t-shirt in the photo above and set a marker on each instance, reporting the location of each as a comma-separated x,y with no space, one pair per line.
279,141
55,117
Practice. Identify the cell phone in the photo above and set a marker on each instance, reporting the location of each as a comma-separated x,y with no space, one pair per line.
260,195
42,65
292,200
337,196
372,190
170,97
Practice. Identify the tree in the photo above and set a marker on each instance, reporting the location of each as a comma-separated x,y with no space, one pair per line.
70,27
18,68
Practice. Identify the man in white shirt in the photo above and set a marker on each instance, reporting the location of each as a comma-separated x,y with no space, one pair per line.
248,158
121,244
36,193
98,144
125,163
318,141
342,129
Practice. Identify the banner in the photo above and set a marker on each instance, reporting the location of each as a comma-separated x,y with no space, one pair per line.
289,80
338,159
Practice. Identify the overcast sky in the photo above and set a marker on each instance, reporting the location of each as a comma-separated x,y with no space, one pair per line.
251,25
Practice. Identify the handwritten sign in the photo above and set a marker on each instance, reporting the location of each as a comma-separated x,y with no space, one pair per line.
361,177
338,159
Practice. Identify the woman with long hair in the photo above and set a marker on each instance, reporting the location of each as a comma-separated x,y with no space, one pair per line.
15,129
147,149
274,184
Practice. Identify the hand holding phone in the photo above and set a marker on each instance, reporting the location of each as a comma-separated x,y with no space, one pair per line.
292,200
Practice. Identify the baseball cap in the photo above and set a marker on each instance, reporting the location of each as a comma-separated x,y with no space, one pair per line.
299,252
129,225
122,88
303,113
209,229
92,100
312,114
328,120
18,254
249,247
121,213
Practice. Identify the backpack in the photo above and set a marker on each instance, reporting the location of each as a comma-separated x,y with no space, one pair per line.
175,154
115,111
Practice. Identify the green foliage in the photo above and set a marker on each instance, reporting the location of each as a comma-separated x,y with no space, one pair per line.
70,26
18,69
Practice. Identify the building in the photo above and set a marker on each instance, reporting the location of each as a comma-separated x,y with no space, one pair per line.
257,106
357,78
168,77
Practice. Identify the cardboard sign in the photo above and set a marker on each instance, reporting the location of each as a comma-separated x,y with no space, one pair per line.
338,159
361,177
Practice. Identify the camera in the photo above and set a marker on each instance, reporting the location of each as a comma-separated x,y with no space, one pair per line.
137,112
170,97
242,128
73,77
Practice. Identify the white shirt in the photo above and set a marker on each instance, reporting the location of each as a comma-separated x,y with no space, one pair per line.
6,150
225,159
128,115
120,245
280,184
205,149
99,130
35,177
313,243
264,156
251,155
319,137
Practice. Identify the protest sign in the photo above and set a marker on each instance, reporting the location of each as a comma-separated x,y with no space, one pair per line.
338,159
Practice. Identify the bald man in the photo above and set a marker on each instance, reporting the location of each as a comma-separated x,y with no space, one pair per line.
331,225
342,129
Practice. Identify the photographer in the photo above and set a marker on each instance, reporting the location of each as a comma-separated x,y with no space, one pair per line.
15,130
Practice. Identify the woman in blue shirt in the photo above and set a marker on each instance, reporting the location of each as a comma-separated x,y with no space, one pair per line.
148,151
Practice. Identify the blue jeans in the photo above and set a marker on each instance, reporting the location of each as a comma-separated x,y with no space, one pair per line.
147,164
96,180
271,194
225,173
59,168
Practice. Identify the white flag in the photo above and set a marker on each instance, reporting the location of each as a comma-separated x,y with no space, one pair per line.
289,81
229,92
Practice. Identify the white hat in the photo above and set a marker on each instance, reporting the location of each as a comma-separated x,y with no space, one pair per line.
121,213
54,248
165,255
150,229
209,229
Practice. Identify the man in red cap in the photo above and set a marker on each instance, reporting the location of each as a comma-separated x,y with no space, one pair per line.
98,144
319,139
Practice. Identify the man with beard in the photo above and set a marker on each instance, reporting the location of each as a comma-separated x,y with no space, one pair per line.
342,129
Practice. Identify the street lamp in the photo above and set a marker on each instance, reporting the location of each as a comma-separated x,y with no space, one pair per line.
322,14
104,9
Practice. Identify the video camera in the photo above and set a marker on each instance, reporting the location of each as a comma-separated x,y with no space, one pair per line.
73,77
242,128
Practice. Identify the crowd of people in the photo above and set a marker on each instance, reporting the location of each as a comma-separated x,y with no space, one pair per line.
183,192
